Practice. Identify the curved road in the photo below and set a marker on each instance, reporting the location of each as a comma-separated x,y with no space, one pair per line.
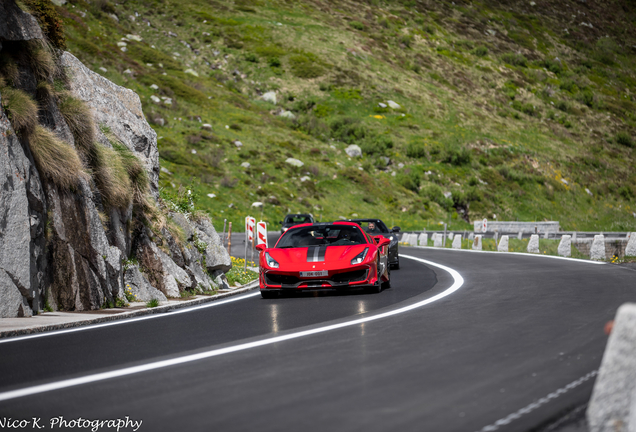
514,346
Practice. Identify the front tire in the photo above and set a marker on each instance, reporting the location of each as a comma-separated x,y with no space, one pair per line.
377,287
269,294
396,266
387,284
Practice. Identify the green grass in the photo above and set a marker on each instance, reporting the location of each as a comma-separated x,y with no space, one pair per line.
152,303
56,160
332,74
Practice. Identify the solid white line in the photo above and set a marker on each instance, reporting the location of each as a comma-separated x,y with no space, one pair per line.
533,406
512,253
130,320
458,282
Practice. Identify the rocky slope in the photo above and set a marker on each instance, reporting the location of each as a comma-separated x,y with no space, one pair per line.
80,213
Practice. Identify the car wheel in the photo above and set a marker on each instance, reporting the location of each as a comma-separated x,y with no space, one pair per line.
269,294
377,287
396,266
387,284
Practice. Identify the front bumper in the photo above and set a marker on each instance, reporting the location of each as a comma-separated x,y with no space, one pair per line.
277,281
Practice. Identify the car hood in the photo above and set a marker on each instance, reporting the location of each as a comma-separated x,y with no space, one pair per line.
311,254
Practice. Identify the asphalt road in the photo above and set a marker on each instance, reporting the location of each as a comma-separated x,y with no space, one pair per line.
517,330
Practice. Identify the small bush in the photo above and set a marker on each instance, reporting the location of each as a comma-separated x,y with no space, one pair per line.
135,171
515,59
306,65
348,130
49,20
563,106
416,150
274,62
623,138
56,160
587,98
357,25
40,59
377,145
21,110
480,51
251,58
458,156
110,177
553,65
152,303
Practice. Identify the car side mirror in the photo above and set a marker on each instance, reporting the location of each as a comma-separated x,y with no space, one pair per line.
395,229
383,242
260,247
280,222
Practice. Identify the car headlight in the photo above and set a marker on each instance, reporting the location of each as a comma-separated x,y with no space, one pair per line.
394,240
360,257
285,229
271,262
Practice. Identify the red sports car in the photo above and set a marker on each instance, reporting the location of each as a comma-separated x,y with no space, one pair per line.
324,256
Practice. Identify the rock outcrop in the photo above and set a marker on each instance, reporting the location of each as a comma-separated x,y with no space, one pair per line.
64,248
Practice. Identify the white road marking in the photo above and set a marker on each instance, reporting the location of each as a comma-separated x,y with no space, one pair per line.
511,253
533,406
130,320
28,391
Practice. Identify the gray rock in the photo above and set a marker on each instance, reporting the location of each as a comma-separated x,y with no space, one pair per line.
216,256
597,251
183,223
17,25
13,303
200,279
118,108
269,97
533,244
353,151
160,269
382,105
477,245
565,246
294,162
245,164
503,244
457,242
287,114
393,104
612,397
630,249
140,287
22,223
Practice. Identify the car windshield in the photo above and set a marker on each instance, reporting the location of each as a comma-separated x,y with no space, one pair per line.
329,235
297,219
373,227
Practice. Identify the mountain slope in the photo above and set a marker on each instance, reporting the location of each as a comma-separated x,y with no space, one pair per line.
523,110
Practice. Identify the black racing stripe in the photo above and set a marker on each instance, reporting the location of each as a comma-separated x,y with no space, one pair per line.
316,253
311,253
321,253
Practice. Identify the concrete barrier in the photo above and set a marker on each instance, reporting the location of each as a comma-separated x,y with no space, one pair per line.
413,240
503,244
613,395
597,252
471,236
438,240
630,249
423,239
515,226
477,243
457,242
565,246
533,244
520,235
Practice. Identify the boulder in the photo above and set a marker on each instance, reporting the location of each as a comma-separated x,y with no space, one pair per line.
477,242
269,97
457,242
139,286
161,270
216,256
630,249
294,162
615,386
353,151
597,251
17,25
503,244
393,105
22,224
565,246
119,109
533,244
287,114
423,239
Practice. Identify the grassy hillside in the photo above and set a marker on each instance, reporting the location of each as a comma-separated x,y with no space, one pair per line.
523,110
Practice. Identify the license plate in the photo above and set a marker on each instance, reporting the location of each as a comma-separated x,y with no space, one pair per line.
311,274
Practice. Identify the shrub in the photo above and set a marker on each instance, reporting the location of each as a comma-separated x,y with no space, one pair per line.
152,303
563,106
49,21
306,65
377,145
457,156
56,160
136,173
251,58
110,176
623,138
409,180
348,130
274,62
515,59
480,51
357,25
553,65
586,97
21,110
416,150
569,85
